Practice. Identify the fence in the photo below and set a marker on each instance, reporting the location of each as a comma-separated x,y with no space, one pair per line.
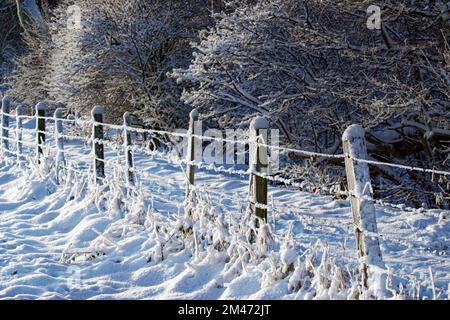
354,155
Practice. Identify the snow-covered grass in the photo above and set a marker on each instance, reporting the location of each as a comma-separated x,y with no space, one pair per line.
80,241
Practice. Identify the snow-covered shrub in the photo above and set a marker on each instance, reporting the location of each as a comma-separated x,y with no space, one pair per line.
120,56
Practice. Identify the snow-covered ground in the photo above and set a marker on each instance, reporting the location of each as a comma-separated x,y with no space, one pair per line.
78,241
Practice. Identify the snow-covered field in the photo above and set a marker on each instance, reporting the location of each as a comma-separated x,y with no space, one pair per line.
78,241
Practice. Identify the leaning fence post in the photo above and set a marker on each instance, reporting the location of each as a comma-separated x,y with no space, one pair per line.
259,165
5,123
19,120
363,209
40,128
60,159
98,148
191,149
127,148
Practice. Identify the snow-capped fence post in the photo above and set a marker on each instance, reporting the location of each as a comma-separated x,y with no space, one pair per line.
127,148
259,164
5,123
19,120
97,138
193,117
60,159
361,196
40,129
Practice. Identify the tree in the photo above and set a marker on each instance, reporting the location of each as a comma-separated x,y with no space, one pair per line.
29,13
313,67
119,58
10,37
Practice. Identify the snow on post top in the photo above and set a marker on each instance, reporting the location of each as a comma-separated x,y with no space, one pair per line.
194,114
97,110
59,113
259,123
353,131
41,106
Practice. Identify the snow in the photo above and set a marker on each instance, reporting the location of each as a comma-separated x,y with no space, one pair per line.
31,9
79,241
259,123
59,112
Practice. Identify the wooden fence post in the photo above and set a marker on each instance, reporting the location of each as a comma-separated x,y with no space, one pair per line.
259,165
363,209
5,123
60,158
19,120
191,149
98,148
127,148
40,129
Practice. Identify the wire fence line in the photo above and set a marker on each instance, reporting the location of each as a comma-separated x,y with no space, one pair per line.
194,162
224,140
355,157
